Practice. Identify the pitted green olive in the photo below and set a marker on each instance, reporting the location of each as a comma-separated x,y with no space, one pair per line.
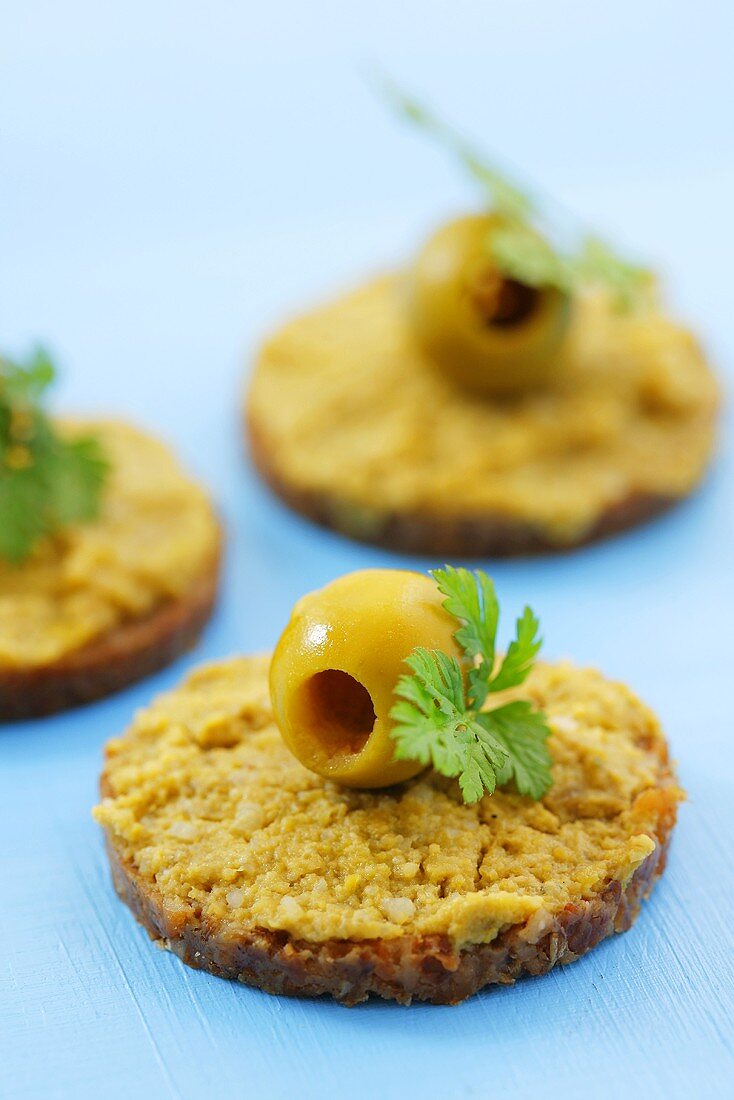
490,333
335,668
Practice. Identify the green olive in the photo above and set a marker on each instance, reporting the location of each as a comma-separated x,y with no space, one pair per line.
488,332
336,665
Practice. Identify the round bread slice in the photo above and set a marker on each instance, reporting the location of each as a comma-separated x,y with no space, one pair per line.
351,425
109,602
243,863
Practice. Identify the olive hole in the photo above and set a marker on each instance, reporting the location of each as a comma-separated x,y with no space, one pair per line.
337,711
503,303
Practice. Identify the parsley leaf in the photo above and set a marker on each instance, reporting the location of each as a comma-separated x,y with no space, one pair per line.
430,718
21,513
434,726
522,731
516,247
472,600
521,654
77,475
524,255
627,282
24,384
438,717
46,481
506,198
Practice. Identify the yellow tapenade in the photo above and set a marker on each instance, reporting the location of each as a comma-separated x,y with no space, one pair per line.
219,825
155,537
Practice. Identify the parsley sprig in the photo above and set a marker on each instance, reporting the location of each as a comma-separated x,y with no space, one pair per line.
517,247
46,482
440,717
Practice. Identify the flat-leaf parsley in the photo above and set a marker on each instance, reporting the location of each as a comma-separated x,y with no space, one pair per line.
440,716
518,249
46,481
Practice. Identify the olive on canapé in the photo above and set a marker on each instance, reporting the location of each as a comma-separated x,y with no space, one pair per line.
336,665
488,332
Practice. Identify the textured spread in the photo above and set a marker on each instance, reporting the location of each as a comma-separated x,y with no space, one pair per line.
343,406
209,815
155,540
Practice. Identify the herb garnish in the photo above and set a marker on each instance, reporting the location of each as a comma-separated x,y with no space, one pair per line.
439,718
46,481
518,248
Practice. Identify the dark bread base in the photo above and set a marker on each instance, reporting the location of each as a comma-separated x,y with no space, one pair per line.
445,535
130,652
404,969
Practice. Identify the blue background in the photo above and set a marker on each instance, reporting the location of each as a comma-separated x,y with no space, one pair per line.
174,179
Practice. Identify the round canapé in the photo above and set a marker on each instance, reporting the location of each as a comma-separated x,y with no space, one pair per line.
351,424
104,603
243,863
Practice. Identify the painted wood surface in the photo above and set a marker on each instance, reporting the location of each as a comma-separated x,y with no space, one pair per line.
172,184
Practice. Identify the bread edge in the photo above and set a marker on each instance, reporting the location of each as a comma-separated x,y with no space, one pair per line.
407,968
467,535
124,655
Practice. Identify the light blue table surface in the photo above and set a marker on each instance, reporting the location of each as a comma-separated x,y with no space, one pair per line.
174,178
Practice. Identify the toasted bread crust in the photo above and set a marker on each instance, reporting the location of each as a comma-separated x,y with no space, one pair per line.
128,653
404,969
458,534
